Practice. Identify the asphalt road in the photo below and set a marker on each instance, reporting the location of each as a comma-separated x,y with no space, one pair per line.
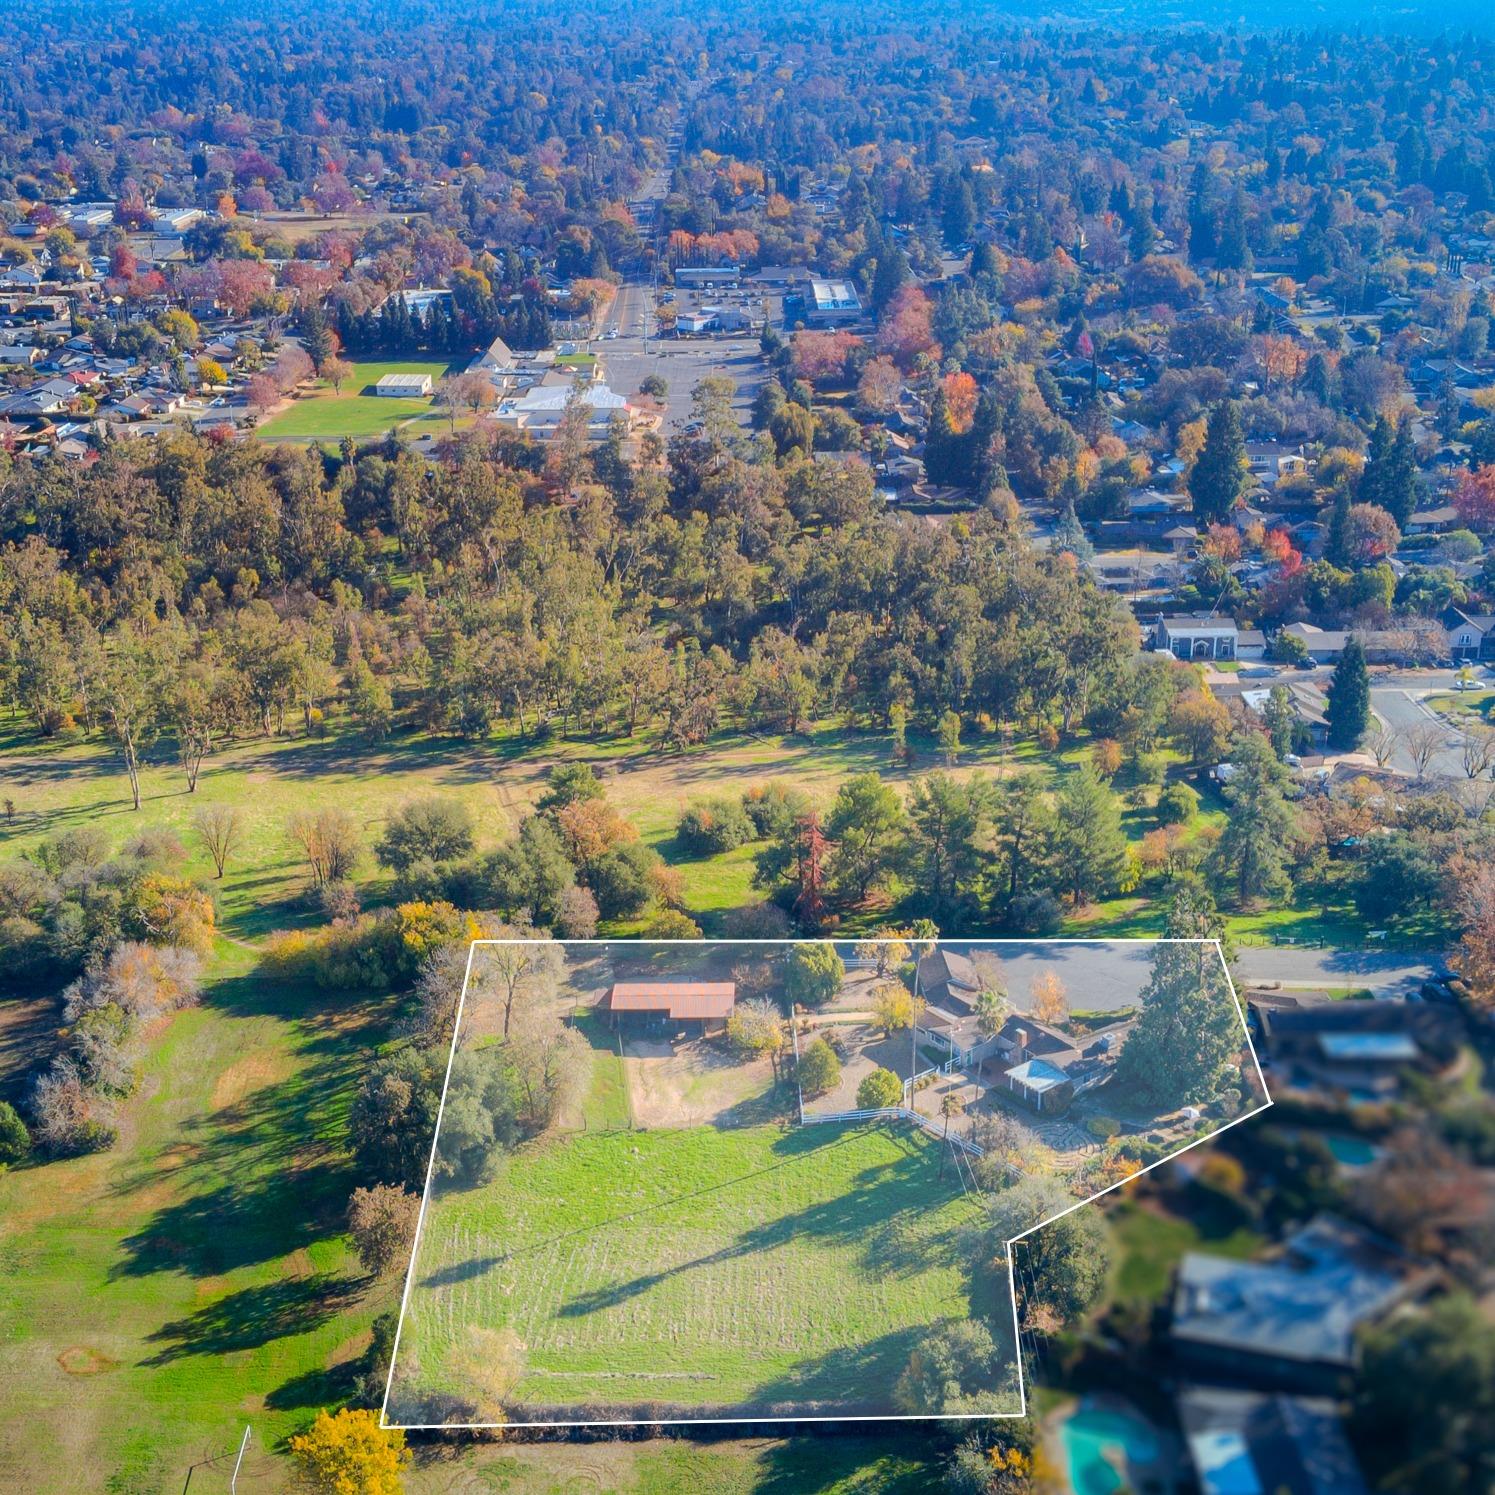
1387,973
1401,709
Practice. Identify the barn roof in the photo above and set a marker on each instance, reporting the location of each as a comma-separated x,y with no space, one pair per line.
680,999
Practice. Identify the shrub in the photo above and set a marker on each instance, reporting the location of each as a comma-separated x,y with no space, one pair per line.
819,1068
1036,912
15,1140
1177,805
757,921
70,1119
671,924
879,1091
711,826
340,901
1103,1127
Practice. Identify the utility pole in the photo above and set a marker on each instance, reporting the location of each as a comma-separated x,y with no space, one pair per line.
233,1484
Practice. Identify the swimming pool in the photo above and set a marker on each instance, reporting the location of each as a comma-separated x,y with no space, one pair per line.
1353,1152
1092,1437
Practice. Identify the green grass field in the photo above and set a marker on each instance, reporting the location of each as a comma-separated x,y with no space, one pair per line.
155,1298
1151,1242
356,411
695,1268
848,1464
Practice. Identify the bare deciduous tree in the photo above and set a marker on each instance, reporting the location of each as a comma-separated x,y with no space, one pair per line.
329,838
1382,742
1478,752
527,966
1422,743
218,828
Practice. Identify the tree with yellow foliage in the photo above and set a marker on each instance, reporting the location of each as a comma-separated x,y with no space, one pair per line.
895,1007
1050,1004
348,1453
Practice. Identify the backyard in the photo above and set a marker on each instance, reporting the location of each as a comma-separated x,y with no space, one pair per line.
711,1252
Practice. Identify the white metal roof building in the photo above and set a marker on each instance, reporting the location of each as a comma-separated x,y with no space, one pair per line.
403,386
833,301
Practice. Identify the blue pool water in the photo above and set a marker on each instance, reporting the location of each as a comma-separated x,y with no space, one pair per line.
1353,1152
1093,1432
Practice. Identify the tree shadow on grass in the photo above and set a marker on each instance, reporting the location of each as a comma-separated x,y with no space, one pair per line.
317,1388
254,1316
265,1175
884,1212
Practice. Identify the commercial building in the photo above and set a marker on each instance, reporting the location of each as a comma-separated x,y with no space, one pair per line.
832,303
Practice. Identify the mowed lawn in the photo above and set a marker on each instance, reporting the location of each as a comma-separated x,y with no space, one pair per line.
742,1268
324,415
157,1297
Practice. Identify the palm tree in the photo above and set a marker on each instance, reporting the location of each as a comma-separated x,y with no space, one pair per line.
951,1105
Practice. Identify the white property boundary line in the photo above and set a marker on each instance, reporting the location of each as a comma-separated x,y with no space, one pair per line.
449,1427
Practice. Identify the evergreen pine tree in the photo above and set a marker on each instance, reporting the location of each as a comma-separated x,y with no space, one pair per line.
1180,1049
1349,699
1069,534
1251,855
1337,541
1219,475
1088,836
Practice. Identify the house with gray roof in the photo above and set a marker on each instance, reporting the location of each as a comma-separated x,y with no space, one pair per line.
1249,1443
1291,1323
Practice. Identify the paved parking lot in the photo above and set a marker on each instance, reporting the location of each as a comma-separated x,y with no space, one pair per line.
635,353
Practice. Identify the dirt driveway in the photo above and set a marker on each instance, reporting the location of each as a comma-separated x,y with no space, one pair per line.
688,1084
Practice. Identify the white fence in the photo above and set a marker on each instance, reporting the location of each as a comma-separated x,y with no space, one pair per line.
900,1113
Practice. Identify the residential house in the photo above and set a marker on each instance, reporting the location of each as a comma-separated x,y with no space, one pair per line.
1359,1049
1197,637
1291,1323
1251,1443
670,1008
1471,636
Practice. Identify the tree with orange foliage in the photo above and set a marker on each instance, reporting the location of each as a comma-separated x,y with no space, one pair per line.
1277,546
1475,959
348,1453
1474,499
907,327
1283,359
822,355
960,401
